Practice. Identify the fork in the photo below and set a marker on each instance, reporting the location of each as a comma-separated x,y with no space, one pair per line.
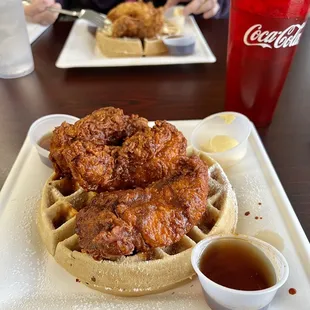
99,20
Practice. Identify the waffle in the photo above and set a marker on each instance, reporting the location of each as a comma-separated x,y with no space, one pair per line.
139,274
129,47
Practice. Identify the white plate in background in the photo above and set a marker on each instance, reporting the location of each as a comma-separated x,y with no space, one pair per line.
79,50
34,31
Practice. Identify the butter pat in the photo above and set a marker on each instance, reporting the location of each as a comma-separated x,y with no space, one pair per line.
228,118
220,143
178,11
223,136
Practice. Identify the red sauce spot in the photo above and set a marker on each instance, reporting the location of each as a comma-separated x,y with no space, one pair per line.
292,291
77,280
247,213
256,217
259,203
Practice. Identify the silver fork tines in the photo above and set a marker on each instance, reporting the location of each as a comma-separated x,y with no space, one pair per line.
99,20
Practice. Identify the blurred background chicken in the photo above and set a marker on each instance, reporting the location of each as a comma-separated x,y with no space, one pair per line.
136,19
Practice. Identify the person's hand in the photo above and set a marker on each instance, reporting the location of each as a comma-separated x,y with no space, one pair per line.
36,12
208,8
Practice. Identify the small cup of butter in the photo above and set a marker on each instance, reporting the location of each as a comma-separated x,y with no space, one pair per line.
175,16
222,136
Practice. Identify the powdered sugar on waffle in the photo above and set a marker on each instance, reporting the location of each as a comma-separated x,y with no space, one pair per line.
68,255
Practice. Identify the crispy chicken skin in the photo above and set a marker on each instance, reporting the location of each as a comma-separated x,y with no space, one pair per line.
106,126
136,19
148,156
143,158
124,222
100,158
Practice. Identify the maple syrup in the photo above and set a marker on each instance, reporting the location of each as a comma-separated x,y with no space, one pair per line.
45,141
237,264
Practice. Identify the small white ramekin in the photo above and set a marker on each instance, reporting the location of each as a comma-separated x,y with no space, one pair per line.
222,298
213,125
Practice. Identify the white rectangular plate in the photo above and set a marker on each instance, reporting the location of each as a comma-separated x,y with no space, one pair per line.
31,279
79,51
34,31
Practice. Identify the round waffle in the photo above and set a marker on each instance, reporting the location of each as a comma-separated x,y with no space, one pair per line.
139,274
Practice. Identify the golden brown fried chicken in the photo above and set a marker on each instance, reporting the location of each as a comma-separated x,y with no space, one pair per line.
62,137
90,165
149,156
123,222
136,19
143,158
106,126
108,150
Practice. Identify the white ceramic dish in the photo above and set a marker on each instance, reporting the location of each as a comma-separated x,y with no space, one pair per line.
79,51
34,31
31,279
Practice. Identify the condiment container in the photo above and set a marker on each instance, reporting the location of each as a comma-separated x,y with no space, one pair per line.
44,126
220,297
180,45
229,124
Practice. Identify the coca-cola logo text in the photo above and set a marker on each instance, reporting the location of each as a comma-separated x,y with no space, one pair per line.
255,36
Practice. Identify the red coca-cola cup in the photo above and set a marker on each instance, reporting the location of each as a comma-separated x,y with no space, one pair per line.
263,37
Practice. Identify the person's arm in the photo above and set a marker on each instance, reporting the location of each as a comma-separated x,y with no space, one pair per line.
36,12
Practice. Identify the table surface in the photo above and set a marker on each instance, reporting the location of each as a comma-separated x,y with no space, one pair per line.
169,92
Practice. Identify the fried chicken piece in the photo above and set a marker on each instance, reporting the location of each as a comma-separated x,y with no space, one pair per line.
106,126
124,222
143,158
61,138
136,19
149,156
108,150
90,165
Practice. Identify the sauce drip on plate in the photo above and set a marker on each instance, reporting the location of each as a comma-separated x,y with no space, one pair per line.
292,291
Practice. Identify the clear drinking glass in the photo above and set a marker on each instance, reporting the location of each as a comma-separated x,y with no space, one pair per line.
15,52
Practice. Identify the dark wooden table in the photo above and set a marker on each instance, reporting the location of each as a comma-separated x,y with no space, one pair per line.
170,92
